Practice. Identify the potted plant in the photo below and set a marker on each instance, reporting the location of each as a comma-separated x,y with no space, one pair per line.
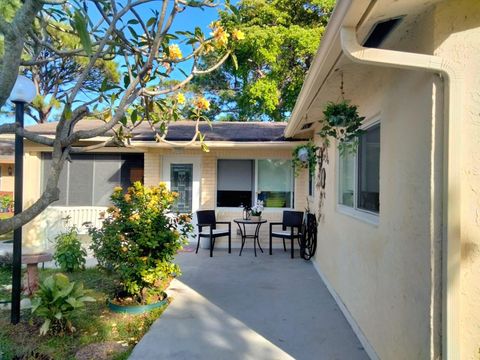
304,157
342,122
138,240
256,211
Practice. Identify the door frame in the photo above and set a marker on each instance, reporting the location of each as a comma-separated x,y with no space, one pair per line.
168,160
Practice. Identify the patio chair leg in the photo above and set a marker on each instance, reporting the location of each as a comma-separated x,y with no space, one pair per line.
211,246
270,243
292,248
198,244
284,247
229,243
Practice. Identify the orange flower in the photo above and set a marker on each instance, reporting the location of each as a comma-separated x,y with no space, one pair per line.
221,36
202,104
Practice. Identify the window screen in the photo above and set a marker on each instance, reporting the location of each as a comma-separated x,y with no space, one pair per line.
80,183
275,183
235,183
89,179
369,170
107,176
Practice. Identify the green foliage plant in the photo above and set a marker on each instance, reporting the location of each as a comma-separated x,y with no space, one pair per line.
140,237
342,122
263,79
6,202
69,253
311,162
58,301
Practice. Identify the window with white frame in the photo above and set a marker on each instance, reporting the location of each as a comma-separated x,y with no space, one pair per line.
241,182
359,173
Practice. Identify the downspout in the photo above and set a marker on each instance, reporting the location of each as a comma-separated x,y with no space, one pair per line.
451,200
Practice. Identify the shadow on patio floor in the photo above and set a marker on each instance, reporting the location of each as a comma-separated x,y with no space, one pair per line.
231,307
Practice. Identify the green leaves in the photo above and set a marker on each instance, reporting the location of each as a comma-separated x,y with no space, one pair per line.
140,236
342,122
80,25
58,301
69,254
266,71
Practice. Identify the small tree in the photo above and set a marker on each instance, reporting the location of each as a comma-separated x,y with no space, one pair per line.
147,48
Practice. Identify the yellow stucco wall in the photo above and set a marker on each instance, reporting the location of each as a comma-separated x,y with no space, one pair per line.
33,233
38,233
6,181
457,37
389,275
208,177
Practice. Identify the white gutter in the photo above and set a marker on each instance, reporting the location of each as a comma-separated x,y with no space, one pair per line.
452,170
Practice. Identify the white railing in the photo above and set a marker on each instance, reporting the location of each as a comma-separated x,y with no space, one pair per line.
79,215
53,221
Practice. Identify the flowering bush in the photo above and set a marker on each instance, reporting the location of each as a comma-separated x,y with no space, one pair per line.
140,237
257,209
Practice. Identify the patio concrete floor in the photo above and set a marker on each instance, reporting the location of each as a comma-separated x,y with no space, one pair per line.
232,307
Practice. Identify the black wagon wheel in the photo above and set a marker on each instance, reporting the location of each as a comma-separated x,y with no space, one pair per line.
308,241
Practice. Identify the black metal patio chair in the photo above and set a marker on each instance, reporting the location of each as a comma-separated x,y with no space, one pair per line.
292,223
206,218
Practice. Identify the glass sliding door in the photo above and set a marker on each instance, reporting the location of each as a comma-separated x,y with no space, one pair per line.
275,183
181,178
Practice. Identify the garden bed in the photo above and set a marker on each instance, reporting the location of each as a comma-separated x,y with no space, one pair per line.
96,329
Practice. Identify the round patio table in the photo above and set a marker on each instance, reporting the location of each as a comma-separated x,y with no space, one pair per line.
243,233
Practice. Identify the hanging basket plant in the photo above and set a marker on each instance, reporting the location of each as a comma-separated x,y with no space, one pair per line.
304,157
342,122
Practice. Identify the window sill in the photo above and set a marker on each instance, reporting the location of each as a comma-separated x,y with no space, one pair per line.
365,216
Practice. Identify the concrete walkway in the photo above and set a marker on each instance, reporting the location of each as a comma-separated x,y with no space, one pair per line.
231,307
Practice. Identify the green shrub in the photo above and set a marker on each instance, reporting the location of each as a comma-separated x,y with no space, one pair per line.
58,301
140,237
69,253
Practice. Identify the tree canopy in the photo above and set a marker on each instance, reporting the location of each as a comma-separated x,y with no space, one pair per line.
264,78
80,39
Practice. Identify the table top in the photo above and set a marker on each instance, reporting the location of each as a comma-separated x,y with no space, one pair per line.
250,221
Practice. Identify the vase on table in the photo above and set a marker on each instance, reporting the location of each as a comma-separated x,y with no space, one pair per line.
256,217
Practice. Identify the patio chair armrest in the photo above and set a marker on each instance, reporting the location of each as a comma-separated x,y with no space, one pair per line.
229,223
274,223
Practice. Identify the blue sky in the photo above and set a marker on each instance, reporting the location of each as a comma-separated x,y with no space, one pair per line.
186,20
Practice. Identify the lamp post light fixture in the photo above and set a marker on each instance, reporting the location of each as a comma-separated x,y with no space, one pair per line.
23,92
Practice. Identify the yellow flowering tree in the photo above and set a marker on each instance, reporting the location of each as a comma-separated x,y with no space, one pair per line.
146,88
139,239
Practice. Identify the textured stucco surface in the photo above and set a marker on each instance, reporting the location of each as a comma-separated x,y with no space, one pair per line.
457,37
389,275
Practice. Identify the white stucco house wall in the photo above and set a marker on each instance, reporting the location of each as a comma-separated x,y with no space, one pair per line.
399,235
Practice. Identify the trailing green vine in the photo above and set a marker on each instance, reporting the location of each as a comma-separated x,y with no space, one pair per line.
342,122
305,159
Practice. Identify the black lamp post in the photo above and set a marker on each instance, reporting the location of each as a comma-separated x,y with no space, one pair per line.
23,92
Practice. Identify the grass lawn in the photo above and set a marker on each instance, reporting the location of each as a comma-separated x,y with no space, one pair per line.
96,325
